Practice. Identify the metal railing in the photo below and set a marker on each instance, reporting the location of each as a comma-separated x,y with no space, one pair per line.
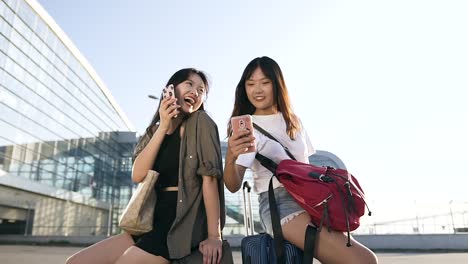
417,218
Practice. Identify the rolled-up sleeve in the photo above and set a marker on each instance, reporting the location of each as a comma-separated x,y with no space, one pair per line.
209,151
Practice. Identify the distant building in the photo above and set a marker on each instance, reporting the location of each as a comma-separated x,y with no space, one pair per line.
325,158
65,144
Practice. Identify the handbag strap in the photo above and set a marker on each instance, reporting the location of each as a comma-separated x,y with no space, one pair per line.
311,232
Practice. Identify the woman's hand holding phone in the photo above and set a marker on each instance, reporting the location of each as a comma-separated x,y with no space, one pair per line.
242,139
169,108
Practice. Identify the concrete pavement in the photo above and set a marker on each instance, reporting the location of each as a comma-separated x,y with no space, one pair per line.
20,254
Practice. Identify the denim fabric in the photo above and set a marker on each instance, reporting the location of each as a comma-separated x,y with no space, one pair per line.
287,207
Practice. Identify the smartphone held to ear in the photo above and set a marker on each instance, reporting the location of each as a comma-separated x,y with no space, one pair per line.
243,123
169,92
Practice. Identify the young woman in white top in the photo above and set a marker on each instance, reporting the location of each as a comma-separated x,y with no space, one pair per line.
262,93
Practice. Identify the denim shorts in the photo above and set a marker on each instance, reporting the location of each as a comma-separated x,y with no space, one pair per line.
287,207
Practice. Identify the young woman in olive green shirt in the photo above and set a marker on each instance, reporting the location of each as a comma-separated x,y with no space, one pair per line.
182,144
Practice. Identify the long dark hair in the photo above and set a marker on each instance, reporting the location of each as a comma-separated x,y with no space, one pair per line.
271,69
177,78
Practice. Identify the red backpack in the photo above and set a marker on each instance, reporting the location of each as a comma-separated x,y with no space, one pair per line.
332,197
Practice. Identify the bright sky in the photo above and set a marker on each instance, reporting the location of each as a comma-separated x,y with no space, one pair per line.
381,84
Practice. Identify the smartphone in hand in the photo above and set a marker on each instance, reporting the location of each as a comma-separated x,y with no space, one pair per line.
169,92
243,123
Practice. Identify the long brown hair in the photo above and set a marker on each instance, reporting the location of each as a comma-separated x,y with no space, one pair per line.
271,69
179,77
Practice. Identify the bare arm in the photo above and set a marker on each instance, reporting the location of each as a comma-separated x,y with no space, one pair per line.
211,248
211,200
144,161
233,173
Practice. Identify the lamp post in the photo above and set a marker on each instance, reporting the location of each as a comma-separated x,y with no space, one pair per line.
451,215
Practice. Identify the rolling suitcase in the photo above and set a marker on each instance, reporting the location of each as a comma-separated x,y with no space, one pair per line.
260,249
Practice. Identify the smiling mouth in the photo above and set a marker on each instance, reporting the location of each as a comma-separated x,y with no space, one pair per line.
189,100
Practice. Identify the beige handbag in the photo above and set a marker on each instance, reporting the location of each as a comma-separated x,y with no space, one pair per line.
137,218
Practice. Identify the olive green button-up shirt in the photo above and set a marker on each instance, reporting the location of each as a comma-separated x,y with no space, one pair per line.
200,155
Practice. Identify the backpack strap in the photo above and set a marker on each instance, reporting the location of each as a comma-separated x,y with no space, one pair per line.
311,232
264,132
309,244
278,238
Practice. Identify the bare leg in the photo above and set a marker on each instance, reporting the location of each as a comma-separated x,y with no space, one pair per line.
137,255
104,252
331,246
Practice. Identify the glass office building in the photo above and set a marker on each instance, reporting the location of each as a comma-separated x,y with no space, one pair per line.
65,144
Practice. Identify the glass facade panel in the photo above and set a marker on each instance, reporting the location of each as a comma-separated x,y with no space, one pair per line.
57,125
54,66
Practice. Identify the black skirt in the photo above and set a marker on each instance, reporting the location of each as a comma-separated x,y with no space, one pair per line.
167,164
155,241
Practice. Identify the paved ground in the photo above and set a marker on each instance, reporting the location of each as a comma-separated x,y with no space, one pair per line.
16,254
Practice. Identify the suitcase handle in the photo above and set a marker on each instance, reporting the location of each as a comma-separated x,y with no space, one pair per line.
248,219
246,185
